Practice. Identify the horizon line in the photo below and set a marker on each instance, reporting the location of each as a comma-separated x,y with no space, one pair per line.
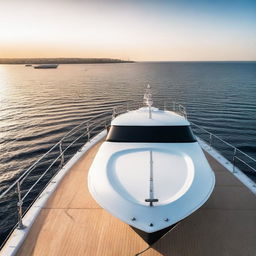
122,59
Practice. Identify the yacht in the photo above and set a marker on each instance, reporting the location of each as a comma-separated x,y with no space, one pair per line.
116,190
150,172
46,66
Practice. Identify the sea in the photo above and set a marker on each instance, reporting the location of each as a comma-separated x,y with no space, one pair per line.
39,106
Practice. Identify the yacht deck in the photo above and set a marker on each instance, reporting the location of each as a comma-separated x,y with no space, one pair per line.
72,223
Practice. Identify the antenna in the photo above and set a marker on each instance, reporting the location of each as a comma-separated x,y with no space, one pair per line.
148,99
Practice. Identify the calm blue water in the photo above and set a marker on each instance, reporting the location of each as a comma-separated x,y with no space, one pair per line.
39,106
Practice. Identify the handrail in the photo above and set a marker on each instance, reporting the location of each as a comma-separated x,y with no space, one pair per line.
94,125
89,126
86,121
248,165
225,142
31,168
54,161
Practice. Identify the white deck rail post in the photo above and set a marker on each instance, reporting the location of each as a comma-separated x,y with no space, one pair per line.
185,113
19,205
88,131
210,141
114,113
234,158
62,155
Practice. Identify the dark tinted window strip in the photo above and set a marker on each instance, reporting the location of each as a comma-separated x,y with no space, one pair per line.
167,134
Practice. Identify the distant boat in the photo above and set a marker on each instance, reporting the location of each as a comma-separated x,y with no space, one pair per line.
28,65
43,66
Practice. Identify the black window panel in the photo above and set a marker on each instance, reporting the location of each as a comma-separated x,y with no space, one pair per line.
156,134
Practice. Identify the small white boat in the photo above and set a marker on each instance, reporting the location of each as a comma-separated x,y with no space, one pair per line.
150,172
46,66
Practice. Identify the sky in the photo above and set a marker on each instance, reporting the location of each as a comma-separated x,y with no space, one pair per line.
141,30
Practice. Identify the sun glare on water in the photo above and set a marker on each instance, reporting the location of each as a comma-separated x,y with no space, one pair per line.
3,82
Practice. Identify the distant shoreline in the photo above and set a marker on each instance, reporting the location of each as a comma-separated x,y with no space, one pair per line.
198,61
61,61
36,61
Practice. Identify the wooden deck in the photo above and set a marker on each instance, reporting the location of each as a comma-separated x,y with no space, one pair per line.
72,223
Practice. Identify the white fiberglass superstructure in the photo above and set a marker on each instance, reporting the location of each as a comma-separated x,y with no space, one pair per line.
150,172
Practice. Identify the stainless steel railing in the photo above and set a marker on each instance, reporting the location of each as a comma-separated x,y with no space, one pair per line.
85,131
180,109
235,155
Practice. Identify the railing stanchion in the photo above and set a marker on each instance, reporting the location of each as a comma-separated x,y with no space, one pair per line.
210,141
174,106
234,159
185,113
106,124
19,206
88,132
164,105
62,155
114,113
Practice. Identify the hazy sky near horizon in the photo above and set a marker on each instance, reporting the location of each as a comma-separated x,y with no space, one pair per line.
135,29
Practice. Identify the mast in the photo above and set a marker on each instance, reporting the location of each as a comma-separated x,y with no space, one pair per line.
148,100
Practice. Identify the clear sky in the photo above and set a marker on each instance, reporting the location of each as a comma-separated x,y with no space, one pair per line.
158,30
